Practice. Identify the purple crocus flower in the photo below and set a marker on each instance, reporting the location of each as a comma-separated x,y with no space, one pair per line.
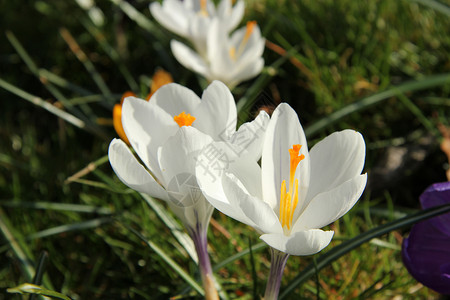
426,252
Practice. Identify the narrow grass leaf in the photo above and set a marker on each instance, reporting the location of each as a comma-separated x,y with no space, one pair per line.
342,249
111,52
69,227
183,238
436,5
20,249
410,86
239,255
172,264
88,65
28,288
79,208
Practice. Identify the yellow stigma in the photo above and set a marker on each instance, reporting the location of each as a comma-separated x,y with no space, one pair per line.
289,199
184,119
203,8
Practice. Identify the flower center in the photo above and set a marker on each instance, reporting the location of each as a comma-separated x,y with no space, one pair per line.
184,119
289,199
248,32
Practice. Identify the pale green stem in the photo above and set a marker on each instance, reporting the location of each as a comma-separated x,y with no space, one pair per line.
277,263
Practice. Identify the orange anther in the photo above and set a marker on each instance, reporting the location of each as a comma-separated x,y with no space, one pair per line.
184,119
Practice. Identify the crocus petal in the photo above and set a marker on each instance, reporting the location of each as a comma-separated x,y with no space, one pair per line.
171,15
236,15
198,31
131,172
174,99
283,131
247,71
250,135
219,57
329,206
211,164
334,160
435,195
257,213
217,101
147,127
426,255
189,58
194,217
299,243
179,153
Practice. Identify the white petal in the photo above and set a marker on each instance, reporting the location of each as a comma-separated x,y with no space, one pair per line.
217,114
219,58
246,72
299,243
198,32
174,99
284,131
131,172
257,213
171,15
236,15
196,216
210,168
188,58
336,159
179,154
329,206
147,127
250,135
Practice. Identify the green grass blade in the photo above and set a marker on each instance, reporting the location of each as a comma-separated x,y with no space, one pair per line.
175,267
79,208
183,238
44,104
139,18
28,288
436,5
410,86
20,249
88,65
338,251
69,227
223,263
51,108
35,70
111,52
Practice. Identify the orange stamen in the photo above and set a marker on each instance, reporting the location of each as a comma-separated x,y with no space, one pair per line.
184,119
289,200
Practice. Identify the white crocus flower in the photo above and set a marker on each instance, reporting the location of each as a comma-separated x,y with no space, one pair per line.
192,18
228,59
168,132
295,192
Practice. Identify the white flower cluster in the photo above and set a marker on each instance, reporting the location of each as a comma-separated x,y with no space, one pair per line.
216,54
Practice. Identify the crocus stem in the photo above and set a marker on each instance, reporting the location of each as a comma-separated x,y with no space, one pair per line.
201,245
277,263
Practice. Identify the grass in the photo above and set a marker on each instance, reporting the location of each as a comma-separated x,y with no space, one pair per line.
105,241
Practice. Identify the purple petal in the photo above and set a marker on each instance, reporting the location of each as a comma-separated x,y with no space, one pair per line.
435,195
426,255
